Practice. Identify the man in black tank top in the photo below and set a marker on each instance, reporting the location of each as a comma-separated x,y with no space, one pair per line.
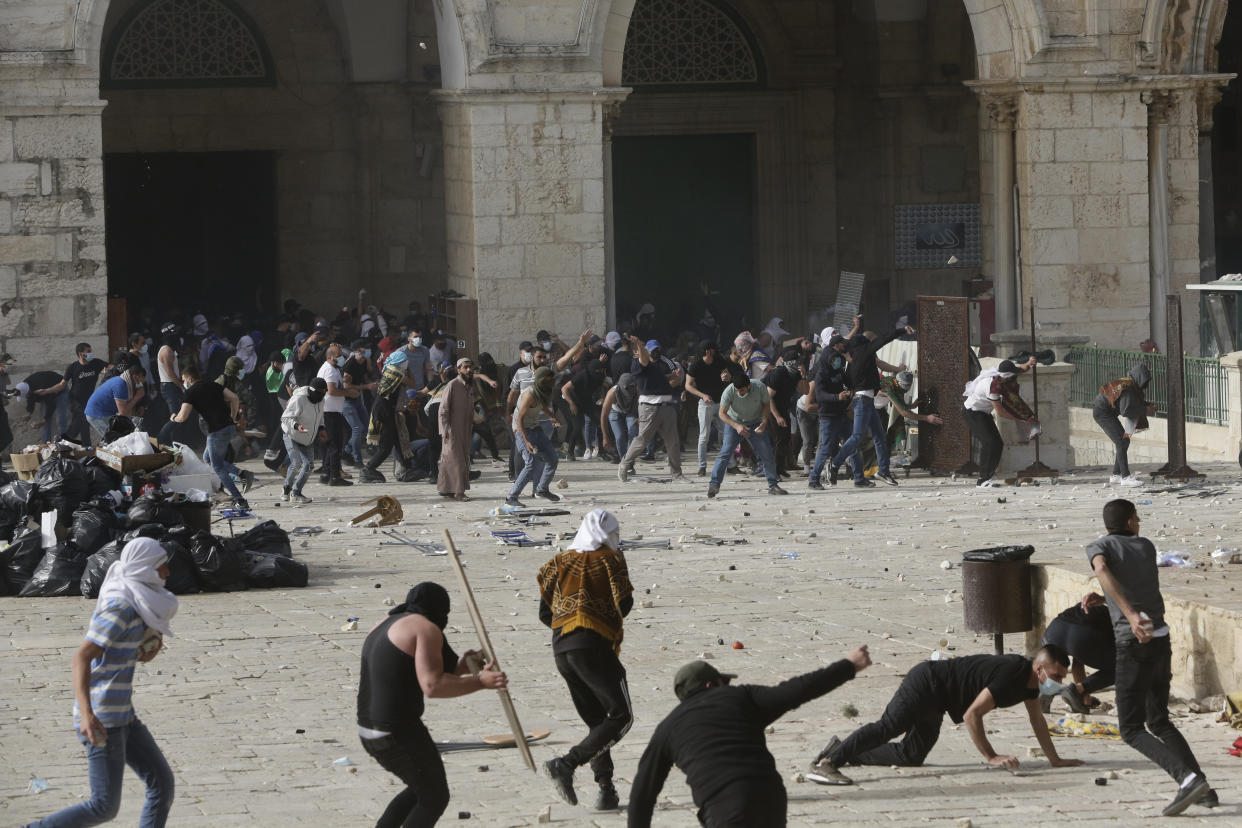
405,658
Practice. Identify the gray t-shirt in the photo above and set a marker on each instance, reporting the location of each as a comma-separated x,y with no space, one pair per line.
1132,560
416,360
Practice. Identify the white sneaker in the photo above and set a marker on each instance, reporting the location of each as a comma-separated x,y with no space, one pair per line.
1114,479
1130,481
989,484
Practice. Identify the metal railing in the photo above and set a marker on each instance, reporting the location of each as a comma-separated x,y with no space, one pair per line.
1207,387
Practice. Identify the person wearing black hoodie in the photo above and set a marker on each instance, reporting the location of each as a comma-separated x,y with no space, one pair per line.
716,737
1121,411
830,398
862,376
405,658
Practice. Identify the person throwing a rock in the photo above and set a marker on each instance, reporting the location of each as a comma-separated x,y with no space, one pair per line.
584,596
967,689
744,408
716,737
404,659
130,619
1121,411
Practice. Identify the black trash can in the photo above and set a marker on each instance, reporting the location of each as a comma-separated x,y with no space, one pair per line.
996,590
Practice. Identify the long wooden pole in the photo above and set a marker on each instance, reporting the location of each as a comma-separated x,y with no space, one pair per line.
485,644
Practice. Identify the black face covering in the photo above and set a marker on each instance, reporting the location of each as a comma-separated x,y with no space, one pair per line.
315,396
429,600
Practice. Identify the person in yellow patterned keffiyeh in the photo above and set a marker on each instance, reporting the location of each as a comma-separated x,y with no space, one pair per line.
585,594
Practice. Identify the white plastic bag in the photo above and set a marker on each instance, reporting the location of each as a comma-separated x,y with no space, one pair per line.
190,463
131,445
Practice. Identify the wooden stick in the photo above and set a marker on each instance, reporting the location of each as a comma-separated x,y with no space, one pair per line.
485,644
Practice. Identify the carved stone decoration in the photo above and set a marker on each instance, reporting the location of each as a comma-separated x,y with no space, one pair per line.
1002,110
1161,104
687,43
1206,99
187,43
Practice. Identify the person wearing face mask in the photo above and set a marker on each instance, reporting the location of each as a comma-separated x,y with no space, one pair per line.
538,455
829,398
120,395
966,689
388,426
358,377
218,406
139,348
419,369
456,425
584,596
300,423
79,379
782,380
334,415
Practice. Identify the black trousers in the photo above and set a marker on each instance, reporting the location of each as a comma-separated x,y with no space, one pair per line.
411,756
983,428
746,804
1089,646
1111,426
335,424
596,682
1143,676
913,711
383,412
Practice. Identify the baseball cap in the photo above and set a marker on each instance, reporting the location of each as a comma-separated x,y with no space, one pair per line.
691,678
653,345
613,340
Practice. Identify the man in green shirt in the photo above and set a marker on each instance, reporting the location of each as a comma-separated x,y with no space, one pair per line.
743,408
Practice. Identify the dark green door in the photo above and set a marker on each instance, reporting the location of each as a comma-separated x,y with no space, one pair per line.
683,213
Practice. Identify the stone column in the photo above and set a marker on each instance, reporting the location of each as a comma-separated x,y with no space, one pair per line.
1159,104
524,197
1003,115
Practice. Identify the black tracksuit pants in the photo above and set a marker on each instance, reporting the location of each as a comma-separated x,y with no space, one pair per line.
983,428
412,757
913,711
748,803
597,686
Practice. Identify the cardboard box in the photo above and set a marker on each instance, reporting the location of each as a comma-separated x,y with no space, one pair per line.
26,464
136,462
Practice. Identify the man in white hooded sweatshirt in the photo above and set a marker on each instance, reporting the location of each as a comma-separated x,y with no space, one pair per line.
128,624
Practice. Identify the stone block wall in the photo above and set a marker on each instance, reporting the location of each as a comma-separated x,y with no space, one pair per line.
525,210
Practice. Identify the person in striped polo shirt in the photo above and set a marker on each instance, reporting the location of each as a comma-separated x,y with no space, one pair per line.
128,625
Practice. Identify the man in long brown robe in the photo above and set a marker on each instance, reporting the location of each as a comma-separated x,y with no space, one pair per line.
456,417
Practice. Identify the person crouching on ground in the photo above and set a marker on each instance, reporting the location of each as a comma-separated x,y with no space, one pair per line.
584,595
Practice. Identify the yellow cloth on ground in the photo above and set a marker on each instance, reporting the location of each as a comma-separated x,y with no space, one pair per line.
1086,730
584,591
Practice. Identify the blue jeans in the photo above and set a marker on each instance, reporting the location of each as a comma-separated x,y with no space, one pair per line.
542,462
55,407
866,418
590,430
131,745
301,459
624,429
759,444
356,416
99,425
832,428
214,456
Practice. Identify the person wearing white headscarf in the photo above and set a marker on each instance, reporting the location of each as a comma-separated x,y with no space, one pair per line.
133,611
584,595
987,394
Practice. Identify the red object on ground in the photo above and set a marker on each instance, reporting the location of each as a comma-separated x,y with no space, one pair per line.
737,645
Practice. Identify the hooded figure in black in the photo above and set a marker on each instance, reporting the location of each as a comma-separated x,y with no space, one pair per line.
1121,410
405,658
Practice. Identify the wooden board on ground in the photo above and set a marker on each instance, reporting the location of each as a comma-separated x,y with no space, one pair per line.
507,740
485,644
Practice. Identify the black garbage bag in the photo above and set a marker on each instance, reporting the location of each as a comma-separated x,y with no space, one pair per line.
58,574
267,538
6,477
999,554
152,508
18,500
275,572
23,557
100,478
93,526
147,530
97,566
62,484
118,426
181,578
219,564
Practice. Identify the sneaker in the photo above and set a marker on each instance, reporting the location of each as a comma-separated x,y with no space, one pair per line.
514,503
298,497
702,471
1210,799
1187,795
776,490
607,800
1074,699
677,478
887,479
247,480
832,475
623,474
1114,479
240,503
988,484
864,484
1130,481
547,495
823,772
284,495
562,776
370,476
815,484
340,481
475,474
712,491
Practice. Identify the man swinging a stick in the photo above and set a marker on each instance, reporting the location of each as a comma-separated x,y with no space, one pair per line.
405,658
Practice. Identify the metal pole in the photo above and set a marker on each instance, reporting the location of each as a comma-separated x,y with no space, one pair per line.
998,643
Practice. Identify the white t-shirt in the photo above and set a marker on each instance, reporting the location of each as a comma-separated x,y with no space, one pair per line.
330,373
983,391
164,375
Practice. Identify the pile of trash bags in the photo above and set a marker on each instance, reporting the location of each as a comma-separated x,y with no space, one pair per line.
70,553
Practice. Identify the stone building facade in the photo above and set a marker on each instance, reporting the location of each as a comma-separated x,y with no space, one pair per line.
564,161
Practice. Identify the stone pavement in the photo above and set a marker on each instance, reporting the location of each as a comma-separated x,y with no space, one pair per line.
254,698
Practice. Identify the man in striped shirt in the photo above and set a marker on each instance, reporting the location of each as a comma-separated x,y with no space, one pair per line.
127,627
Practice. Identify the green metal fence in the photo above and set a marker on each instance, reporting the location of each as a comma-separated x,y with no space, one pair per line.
1207,389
